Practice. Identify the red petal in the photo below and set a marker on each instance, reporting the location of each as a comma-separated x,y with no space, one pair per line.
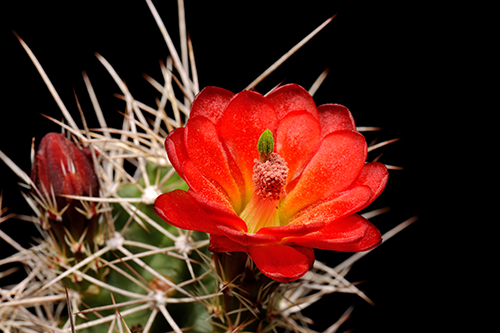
292,97
308,252
342,204
205,151
291,230
245,118
176,149
178,209
349,234
237,176
335,117
246,239
218,212
220,243
204,187
280,262
297,139
375,176
210,103
334,167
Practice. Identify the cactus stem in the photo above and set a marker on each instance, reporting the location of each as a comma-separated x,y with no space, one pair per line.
143,265
73,269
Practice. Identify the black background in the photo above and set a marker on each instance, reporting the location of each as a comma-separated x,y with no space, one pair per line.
386,66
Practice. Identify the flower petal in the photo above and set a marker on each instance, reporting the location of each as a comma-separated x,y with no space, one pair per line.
292,97
337,163
338,206
204,187
335,117
244,238
247,115
210,103
291,230
176,149
220,243
282,263
178,209
308,252
297,138
205,151
218,212
350,234
375,176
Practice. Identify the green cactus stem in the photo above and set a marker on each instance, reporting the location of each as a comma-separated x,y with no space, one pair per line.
247,301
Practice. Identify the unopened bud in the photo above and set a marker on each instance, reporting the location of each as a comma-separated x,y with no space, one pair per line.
61,168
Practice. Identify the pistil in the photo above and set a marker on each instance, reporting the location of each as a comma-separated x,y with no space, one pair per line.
269,178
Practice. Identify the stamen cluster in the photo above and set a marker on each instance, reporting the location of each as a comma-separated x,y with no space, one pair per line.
269,177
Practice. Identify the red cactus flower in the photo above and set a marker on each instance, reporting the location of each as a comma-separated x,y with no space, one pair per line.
279,197
61,168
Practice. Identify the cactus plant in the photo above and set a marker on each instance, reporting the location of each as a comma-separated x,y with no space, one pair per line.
123,267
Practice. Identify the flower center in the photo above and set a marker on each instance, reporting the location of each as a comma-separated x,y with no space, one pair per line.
269,179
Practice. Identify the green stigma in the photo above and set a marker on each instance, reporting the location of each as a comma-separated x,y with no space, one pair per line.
265,146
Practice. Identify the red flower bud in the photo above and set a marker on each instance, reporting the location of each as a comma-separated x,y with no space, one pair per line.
61,168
